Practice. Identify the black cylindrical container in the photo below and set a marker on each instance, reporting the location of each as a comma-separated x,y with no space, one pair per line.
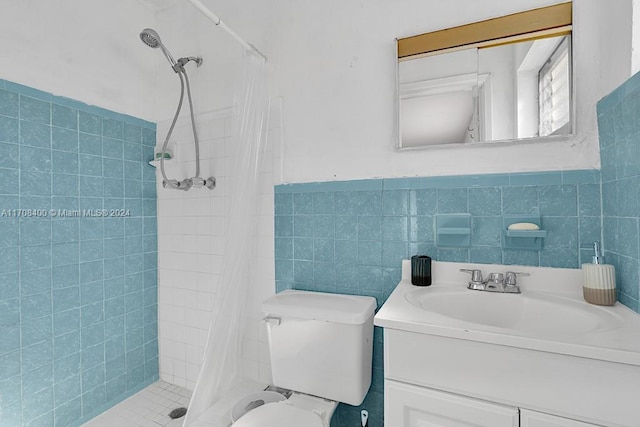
421,270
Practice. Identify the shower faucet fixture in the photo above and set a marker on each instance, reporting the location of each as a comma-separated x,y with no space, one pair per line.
187,183
151,38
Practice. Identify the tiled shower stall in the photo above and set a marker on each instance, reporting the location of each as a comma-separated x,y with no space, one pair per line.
192,233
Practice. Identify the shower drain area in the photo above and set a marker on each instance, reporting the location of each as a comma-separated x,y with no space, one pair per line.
151,407
178,413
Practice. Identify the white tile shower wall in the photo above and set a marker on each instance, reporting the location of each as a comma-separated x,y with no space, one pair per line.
191,245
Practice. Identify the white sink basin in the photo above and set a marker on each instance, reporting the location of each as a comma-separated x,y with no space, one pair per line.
536,313
549,315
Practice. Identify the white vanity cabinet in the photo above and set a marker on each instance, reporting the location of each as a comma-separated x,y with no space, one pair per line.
543,358
442,382
410,406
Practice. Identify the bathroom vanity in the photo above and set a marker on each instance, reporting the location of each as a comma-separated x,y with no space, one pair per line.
543,358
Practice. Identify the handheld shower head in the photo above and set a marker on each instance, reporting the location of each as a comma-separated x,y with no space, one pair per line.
151,38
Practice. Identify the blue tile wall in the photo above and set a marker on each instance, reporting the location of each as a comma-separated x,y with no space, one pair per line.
78,322
619,131
350,237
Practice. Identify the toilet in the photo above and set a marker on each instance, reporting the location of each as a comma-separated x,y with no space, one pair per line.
321,348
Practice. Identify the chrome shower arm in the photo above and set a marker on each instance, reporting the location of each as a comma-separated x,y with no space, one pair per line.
178,67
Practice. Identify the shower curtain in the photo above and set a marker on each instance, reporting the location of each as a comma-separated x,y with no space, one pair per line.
221,364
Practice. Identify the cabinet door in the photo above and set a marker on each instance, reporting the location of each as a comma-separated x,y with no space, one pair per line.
538,419
411,406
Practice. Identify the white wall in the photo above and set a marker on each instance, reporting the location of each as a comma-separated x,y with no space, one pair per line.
635,55
613,48
334,63
336,67
187,32
87,50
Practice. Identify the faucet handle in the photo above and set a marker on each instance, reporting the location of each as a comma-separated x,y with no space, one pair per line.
476,275
511,277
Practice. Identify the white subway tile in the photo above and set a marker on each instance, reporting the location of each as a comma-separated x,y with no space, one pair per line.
182,382
204,322
204,301
194,353
166,365
190,280
180,369
204,225
216,129
192,372
191,318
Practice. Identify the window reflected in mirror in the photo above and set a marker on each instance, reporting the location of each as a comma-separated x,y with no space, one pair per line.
554,91
525,91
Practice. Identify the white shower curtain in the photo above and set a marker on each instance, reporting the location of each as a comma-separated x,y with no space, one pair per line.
222,364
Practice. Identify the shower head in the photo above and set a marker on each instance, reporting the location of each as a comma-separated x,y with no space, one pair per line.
151,38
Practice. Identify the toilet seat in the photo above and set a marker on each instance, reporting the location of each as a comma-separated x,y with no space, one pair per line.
279,414
252,401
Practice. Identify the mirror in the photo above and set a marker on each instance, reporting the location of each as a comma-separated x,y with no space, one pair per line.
513,87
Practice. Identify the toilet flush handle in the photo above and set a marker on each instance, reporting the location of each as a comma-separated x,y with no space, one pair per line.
272,319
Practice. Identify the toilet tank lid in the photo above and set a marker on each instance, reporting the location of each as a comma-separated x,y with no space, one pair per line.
339,308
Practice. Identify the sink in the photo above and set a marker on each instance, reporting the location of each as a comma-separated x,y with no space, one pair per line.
550,314
531,312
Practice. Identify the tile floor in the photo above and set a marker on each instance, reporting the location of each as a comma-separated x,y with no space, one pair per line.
147,408
151,406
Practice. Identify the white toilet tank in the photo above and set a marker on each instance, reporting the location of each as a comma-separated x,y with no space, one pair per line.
321,344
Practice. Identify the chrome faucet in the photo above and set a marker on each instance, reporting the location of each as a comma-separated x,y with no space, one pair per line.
496,282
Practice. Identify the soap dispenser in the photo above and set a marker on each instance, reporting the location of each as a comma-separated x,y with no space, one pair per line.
599,280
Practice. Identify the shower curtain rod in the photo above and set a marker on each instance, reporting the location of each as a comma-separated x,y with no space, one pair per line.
218,22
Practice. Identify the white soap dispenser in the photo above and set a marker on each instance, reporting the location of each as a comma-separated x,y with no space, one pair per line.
599,280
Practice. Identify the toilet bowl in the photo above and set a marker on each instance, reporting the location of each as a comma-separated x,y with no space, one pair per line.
299,410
